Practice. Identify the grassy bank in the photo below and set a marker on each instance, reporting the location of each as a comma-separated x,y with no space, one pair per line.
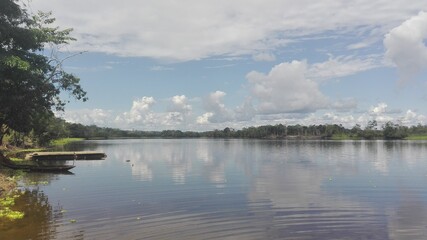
64,141
416,137
344,137
17,154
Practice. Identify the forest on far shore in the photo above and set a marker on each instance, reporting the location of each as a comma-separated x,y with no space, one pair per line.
56,128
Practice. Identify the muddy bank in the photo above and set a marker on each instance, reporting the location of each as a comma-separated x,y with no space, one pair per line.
6,184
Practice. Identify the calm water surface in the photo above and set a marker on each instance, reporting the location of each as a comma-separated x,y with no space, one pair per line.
231,189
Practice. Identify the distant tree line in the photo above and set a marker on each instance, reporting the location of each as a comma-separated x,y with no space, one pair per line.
54,128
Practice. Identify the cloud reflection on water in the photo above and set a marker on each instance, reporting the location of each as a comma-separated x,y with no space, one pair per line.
290,189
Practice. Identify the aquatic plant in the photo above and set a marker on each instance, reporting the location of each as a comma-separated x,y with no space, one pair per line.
6,203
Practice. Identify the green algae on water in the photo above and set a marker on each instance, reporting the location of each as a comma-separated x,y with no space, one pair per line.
5,204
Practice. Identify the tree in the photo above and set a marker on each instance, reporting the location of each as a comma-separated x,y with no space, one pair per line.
370,131
394,131
357,131
30,82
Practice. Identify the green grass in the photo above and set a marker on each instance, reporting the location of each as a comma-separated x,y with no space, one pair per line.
343,137
18,154
64,141
416,137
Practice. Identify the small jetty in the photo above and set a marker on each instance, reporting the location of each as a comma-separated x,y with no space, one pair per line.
81,155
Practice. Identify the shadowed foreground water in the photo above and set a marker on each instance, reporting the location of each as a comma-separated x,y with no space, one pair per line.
232,189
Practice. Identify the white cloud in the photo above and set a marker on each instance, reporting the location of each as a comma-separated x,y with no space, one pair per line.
264,57
370,36
380,113
204,119
285,89
179,103
344,105
161,68
217,112
412,118
245,112
333,118
342,66
172,119
197,29
140,112
381,108
406,48
179,111
142,117
86,116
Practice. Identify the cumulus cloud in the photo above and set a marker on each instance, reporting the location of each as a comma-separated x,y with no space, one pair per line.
380,113
179,103
204,119
285,89
412,118
199,29
245,112
406,48
140,112
333,118
141,116
86,116
381,108
179,111
217,112
171,119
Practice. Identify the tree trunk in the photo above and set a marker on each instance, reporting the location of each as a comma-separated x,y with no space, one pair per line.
3,131
1,138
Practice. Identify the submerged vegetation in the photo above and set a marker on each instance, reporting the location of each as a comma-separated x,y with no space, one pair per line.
5,207
8,195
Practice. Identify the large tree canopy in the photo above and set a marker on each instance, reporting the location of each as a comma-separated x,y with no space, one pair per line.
30,79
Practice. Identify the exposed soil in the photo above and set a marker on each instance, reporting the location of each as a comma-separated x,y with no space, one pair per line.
6,184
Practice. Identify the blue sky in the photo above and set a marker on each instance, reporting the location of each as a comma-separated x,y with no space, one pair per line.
202,65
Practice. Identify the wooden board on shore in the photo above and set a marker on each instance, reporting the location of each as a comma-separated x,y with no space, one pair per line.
80,155
38,168
34,167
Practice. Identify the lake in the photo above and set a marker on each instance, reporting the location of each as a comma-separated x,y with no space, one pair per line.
231,189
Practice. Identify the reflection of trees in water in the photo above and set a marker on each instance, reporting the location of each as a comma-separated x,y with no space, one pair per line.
39,220
38,178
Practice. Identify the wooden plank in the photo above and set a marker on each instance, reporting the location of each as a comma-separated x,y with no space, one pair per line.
82,155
